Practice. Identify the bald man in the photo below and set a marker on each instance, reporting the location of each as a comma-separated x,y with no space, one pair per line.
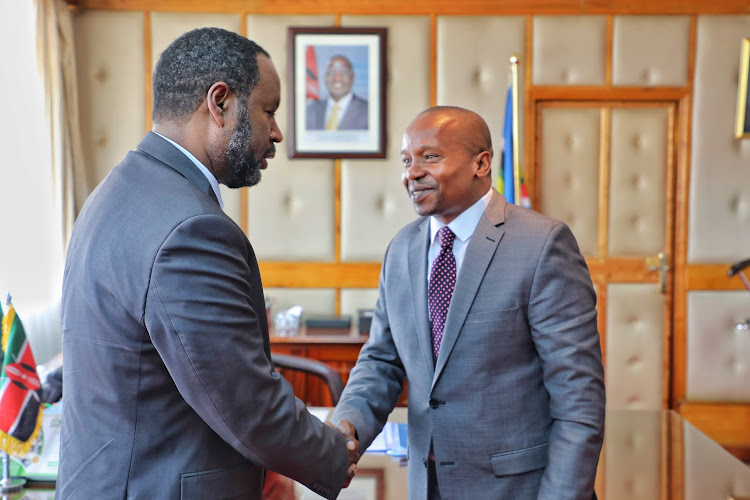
342,109
488,310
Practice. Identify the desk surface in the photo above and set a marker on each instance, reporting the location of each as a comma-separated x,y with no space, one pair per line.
646,455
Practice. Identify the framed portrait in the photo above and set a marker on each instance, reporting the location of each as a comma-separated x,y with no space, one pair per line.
742,127
338,93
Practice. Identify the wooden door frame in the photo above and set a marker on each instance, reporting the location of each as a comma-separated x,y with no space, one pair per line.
677,180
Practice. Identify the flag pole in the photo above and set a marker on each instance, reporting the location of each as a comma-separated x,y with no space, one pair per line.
9,484
514,62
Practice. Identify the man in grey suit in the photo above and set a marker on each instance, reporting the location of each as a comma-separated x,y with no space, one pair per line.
342,109
169,387
496,334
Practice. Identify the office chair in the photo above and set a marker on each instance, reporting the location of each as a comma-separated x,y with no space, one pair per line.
312,367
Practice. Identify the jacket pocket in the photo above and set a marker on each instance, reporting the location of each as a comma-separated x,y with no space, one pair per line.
520,461
243,481
501,316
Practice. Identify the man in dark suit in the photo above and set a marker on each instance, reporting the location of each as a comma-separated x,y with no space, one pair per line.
489,311
342,110
169,387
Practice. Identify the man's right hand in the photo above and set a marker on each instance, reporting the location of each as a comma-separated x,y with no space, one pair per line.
352,445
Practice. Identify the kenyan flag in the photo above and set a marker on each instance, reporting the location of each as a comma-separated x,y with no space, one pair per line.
20,389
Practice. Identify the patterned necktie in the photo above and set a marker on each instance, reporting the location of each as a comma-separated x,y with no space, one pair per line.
333,120
440,290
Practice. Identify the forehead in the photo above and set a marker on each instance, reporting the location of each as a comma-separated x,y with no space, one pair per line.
269,85
429,130
339,63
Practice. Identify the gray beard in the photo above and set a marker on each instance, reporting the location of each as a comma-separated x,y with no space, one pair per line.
244,169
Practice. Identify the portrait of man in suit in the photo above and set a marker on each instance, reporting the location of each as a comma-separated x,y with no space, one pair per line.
341,109
488,310
170,389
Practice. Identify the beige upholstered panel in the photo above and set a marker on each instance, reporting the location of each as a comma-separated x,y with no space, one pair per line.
111,92
632,457
374,205
569,50
650,50
718,354
165,27
353,299
290,213
473,71
635,355
719,214
638,163
313,300
570,171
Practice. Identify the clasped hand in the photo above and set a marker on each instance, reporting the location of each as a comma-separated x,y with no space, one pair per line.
352,445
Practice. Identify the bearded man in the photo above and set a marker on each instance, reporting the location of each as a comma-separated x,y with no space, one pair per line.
169,387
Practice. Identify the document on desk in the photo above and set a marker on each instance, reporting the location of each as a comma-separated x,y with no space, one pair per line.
392,440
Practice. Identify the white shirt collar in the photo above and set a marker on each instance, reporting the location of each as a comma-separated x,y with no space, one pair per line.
464,225
211,179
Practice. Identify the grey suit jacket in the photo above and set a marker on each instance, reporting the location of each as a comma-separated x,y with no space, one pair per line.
514,406
169,387
355,117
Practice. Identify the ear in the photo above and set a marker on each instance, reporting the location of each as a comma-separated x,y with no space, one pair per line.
484,164
216,100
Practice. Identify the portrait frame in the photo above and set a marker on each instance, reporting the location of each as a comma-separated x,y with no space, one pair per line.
742,124
350,62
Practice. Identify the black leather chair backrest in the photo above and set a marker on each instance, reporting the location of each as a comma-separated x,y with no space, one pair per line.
312,367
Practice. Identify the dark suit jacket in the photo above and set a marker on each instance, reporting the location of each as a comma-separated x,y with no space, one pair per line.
514,406
169,388
355,117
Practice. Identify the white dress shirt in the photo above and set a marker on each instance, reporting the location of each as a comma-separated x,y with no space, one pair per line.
462,226
211,179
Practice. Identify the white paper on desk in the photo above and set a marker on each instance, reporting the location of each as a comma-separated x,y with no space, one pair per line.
321,413
391,440
378,444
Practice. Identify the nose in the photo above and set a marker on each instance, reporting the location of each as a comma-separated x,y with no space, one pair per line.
276,135
413,172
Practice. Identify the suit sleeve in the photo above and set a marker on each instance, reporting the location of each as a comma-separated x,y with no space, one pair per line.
201,319
377,379
562,318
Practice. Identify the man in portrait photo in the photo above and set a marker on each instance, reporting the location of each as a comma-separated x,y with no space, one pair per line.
341,109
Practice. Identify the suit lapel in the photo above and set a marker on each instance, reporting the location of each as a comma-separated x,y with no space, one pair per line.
418,282
161,150
479,253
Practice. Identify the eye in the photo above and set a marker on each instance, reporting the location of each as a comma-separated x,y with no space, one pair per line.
405,160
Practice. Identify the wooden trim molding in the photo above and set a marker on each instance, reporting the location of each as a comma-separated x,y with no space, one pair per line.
725,423
319,274
421,7
711,277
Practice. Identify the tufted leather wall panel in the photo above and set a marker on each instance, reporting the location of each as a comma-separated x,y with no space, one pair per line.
569,50
631,457
473,55
635,353
718,354
353,299
165,27
650,50
109,55
638,165
374,205
569,171
290,213
313,300
719,175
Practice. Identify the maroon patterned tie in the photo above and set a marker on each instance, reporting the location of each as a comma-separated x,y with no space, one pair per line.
440,290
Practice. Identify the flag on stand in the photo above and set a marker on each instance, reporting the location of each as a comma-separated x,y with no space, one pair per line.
312,91
506,176
20,389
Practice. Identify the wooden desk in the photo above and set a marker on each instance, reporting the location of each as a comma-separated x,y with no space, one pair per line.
338,351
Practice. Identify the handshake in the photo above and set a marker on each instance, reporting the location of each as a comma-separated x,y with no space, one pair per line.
352,445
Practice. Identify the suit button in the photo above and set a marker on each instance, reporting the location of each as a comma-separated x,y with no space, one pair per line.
434,403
